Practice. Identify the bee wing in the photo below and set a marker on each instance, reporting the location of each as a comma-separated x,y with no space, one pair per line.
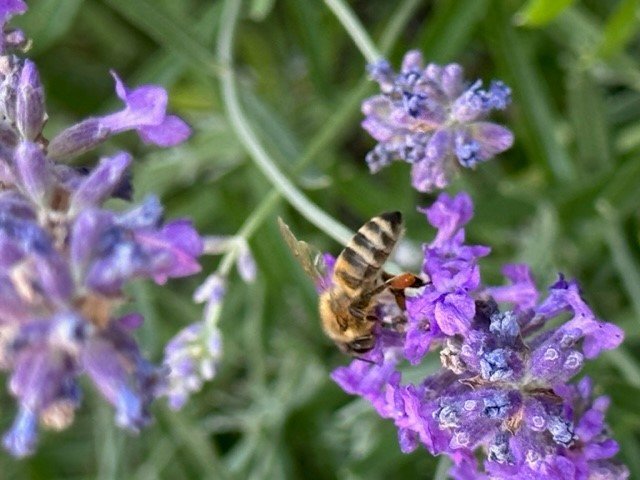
308,256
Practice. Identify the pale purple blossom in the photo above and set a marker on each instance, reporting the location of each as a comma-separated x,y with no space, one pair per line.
11,38
503,405
65,258
191,358
145,111
428,116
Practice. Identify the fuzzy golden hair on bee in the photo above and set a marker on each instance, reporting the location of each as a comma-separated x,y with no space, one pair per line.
347,302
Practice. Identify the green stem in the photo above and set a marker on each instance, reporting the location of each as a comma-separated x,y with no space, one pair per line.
250,225
331,129
353,26
241,125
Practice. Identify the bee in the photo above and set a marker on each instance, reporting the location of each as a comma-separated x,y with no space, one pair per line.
348,299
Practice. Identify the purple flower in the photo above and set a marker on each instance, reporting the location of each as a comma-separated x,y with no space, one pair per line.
429,117
191,358
131,245
522,293
504,387
65,258
446,304
9,8
145,112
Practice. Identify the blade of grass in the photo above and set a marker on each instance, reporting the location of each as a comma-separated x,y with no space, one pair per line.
588,118
196,445
355,29
620,27
534,100
580,32
450,28
540,12
172,33
623,260
248,138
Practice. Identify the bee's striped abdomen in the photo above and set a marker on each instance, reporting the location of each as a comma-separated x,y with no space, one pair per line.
368,250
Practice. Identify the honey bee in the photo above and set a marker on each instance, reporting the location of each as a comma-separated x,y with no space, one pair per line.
348,299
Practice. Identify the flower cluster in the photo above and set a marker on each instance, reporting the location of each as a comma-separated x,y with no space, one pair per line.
430,118
503,388
193,355
65,258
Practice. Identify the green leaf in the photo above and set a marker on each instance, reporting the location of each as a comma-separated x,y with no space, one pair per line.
620,27
510,47
589,122
169,30
259,9
537,13
621,253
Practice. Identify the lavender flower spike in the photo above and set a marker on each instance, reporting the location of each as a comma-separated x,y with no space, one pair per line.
65,259
429,117
503,405
9,8
192,356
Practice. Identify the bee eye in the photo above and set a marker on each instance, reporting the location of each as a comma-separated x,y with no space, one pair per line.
371,317
361,345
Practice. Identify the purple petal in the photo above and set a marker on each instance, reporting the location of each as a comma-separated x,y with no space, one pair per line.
245,264
601,336
427,176
105,364
149,214
182,242
449,214
9,8
191,357
376,122
30,109
211,291
78,139
21,439
455,313
522,294
130,321
172,131
33,169
86,235
412,61
492,138
145,105
53,278
101,182
452,80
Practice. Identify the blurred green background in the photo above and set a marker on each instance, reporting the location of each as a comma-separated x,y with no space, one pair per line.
565,198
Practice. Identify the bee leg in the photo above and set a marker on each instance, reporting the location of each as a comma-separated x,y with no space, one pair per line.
358,312
386,276
404,280
398,283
